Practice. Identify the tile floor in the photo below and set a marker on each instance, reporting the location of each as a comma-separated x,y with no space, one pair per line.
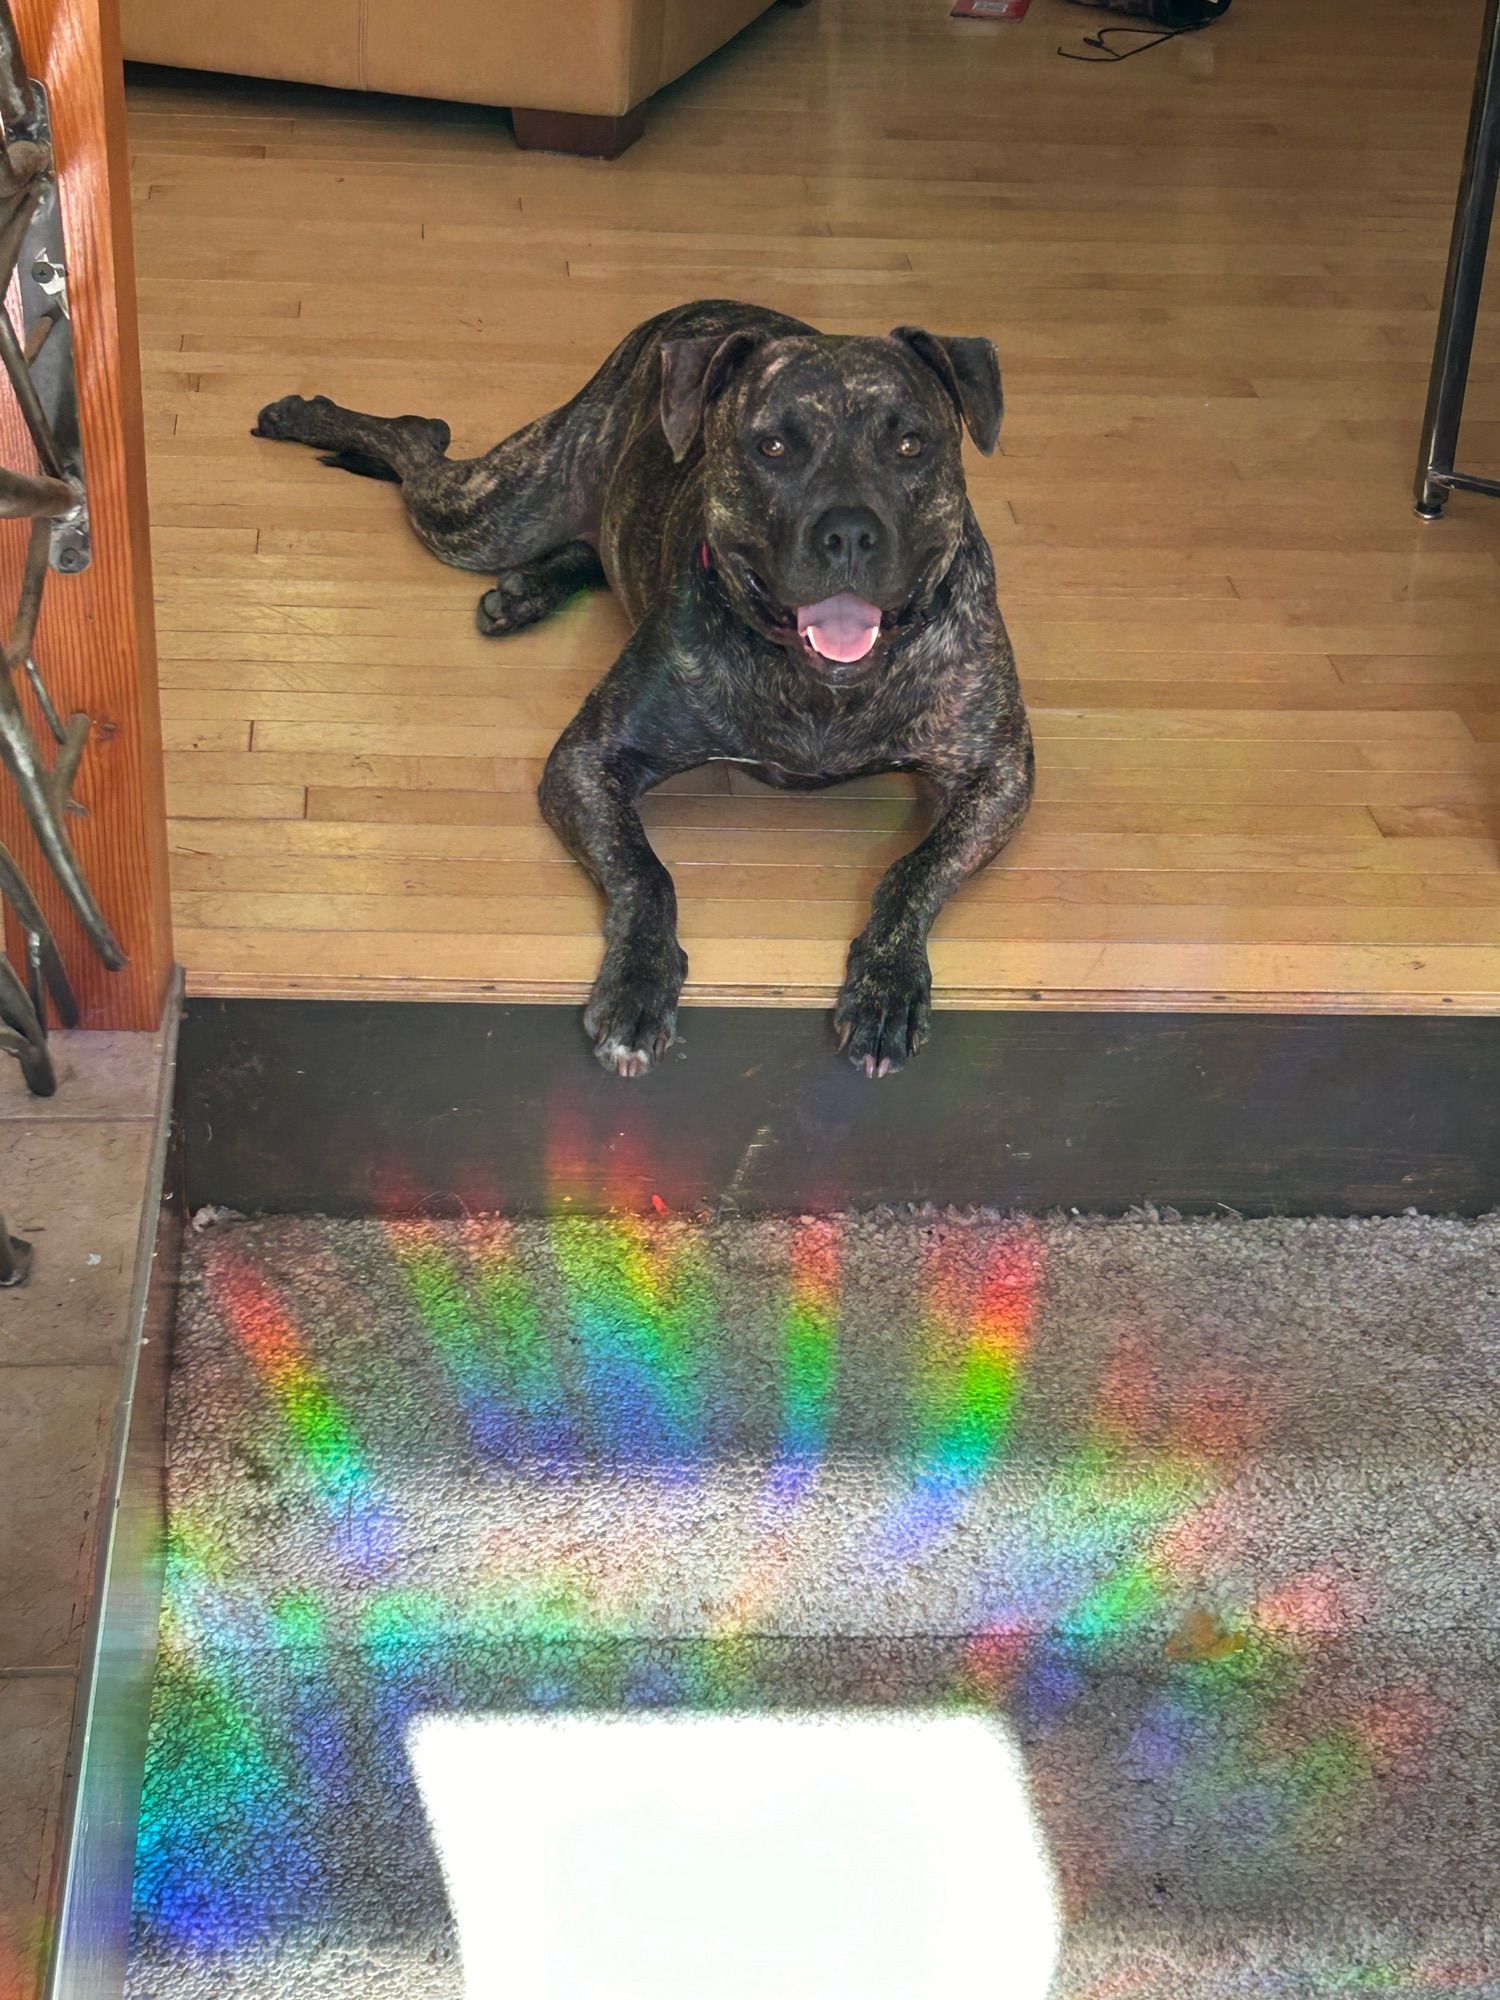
73,1180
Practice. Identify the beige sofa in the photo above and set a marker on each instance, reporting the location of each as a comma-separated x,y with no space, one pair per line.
576,74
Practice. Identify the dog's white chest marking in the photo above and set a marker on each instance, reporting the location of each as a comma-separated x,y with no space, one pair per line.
770,764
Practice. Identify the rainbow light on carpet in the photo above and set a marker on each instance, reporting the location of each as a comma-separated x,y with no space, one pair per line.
809,1357
968,1379
501,1287
214,1856
485,1327
809,1330
642,1312
317,1423
1120,1524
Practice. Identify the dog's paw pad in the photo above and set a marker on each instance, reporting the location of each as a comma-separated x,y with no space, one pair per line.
883,1012
514,602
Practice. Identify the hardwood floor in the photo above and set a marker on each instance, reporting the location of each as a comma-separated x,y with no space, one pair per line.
1266,697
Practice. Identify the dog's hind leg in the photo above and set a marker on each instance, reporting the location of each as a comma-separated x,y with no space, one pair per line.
528,498
380,447
525,596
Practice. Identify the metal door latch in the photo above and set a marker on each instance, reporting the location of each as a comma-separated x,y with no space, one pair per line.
51,280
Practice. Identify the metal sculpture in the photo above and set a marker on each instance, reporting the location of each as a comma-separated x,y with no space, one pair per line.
39,363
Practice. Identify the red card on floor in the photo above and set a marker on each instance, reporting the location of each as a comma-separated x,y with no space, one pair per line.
990,10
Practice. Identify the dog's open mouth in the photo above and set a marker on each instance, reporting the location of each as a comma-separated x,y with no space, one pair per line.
842,631
843,628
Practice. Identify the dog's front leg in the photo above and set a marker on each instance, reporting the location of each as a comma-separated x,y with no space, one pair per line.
884,1007
588,795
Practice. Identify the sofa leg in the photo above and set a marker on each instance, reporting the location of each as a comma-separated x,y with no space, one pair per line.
577,132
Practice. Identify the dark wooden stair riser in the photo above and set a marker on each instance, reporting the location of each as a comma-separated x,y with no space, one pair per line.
357,1107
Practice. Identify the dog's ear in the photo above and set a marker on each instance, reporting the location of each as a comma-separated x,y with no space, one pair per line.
969,369
693,371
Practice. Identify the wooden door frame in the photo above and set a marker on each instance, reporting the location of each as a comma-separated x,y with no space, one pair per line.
96,641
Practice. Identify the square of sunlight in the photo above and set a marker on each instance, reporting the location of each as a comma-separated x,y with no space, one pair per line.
679,1856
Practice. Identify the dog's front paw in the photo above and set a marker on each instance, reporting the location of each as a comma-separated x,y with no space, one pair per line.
632,1012
517,600
883,1011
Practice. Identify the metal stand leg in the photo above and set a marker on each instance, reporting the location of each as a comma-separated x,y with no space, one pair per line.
1436,478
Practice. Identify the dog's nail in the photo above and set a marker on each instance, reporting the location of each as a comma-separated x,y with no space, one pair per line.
869,1065
885,1066
844,1033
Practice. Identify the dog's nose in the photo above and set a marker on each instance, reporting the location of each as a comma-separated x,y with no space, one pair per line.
848,534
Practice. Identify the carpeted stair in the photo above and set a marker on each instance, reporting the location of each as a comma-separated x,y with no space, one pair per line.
1207,1511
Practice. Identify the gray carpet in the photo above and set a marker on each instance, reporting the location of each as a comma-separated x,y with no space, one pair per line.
1206,1511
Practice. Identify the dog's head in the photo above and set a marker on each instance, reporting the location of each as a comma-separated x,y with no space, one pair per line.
833,477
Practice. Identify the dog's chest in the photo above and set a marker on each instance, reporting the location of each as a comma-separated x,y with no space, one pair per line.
798,751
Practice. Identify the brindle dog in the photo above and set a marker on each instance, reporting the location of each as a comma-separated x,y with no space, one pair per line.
783,515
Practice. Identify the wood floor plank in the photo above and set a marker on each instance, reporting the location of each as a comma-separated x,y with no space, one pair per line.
1201,903
1099,972
338,835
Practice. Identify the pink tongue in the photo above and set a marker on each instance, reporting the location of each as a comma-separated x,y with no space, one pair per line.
840,628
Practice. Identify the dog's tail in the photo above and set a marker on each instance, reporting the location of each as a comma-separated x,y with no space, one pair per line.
362,462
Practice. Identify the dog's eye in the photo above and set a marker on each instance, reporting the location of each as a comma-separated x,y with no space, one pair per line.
773,447
911,445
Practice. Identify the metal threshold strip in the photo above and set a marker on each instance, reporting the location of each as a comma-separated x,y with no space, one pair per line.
107,1754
